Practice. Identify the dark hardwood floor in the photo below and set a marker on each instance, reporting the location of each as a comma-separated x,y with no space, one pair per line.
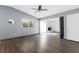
41,43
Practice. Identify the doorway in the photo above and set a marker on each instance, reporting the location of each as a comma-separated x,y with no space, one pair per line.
62,27
53,26
42,26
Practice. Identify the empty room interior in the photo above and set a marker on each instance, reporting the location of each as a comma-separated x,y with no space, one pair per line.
39,28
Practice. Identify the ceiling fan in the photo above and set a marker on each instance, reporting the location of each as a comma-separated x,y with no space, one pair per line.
39,9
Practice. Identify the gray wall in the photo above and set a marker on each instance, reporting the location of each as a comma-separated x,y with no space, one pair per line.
15,30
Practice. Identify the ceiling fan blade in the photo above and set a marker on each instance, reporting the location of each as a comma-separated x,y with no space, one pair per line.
37,11
34,9
44,9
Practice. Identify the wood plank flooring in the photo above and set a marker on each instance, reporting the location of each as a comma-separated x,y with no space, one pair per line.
41,43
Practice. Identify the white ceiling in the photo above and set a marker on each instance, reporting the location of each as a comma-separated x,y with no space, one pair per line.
52,9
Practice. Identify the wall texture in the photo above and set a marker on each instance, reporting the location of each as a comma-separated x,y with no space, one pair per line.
15,30
72,25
